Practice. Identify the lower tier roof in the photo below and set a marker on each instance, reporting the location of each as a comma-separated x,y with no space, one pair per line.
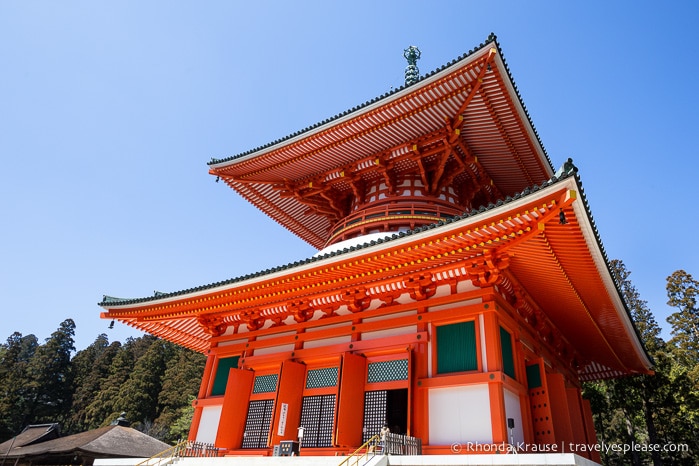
540,248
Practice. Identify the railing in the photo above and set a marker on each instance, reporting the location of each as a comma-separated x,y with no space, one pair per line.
397,444
199,450
369,448
403,214
185,448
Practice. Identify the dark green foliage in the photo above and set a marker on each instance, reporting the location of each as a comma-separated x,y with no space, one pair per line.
659,409
91,368
49,376
153,381
181,383
682,292
14,381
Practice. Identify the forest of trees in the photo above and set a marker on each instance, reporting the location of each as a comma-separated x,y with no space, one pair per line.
660,409
154,382
151,380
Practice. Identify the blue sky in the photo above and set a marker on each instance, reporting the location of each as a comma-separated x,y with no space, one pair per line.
109,112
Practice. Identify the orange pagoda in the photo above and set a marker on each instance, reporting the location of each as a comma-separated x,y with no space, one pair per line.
460,294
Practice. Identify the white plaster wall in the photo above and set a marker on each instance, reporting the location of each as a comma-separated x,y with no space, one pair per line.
390,316
391,332
233,342
460,415
328,341
208,425
274,349
514,410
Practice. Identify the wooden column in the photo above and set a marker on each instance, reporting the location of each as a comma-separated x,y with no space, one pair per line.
576,415
497,409
203,390
235,409
560,413
287,411
196,419
590,433
350,407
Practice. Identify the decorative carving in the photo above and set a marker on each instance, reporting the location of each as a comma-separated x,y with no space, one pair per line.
357,300
301,310
485,270
252,320
420,286
388,297
213,325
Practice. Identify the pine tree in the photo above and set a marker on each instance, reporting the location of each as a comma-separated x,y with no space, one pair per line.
682,291
90,371
140,392
179,427
181,383
103,408
636,409
14,380
49,374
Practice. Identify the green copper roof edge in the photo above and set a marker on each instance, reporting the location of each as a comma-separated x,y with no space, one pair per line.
571,170
492,39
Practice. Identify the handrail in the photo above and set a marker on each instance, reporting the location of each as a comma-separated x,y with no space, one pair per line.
165,454
355,454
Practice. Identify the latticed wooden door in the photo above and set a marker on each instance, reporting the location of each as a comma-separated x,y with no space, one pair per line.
257,424
317,418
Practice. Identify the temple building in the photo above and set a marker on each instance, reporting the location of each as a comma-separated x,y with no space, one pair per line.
461,293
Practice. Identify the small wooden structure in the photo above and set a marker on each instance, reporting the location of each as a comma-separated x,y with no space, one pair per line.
42,444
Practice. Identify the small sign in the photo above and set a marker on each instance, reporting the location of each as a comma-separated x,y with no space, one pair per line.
282,419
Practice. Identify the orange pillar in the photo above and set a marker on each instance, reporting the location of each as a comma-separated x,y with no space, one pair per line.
493,353
591,435
492,349
287,416
235,409
560,413
350,406
576,415
497,410
203,390
205,380
196,419
540,405
527,422
419,400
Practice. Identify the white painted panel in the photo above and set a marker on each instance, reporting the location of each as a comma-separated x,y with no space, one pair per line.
460,415
391,332
233,342
442,290
465,285
390,316
328,341
208,426
484,355
457,304
326,327
276,335
514,410
274,349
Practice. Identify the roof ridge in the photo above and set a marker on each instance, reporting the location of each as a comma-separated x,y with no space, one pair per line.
491,39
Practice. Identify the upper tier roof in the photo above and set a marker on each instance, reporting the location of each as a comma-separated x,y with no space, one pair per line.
472,98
